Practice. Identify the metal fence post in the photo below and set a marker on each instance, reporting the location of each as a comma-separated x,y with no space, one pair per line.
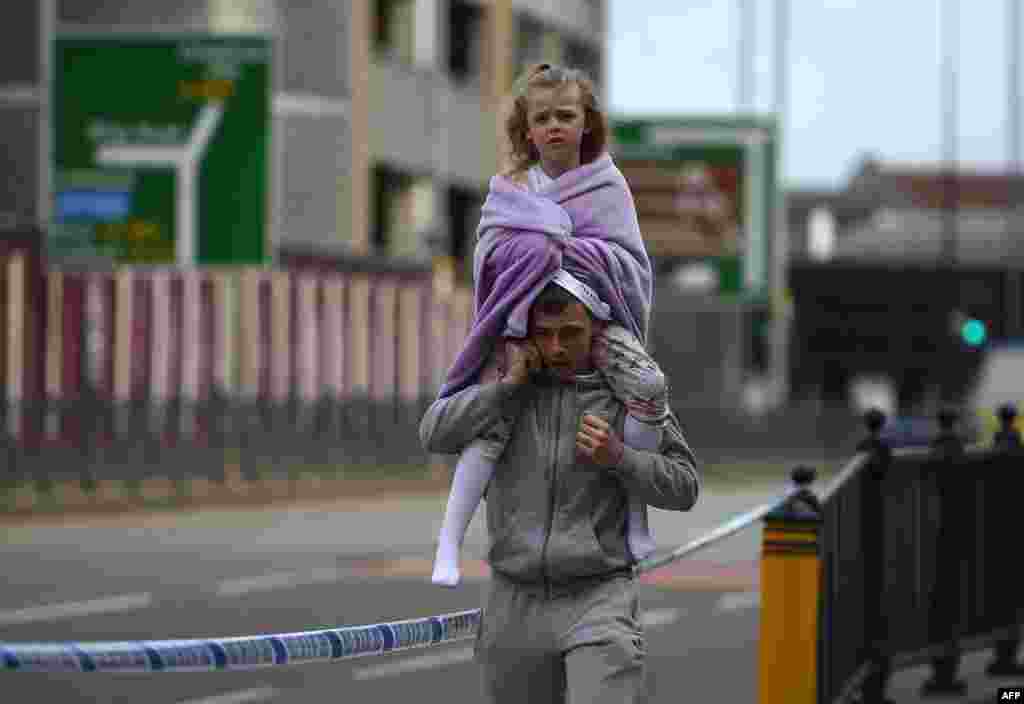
9,448
1007,443
216,423
790,594
944,608
873,537
34,448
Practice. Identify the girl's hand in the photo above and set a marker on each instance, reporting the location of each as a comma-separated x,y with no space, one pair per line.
598,441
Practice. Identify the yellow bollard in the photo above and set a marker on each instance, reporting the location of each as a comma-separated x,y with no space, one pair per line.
790,583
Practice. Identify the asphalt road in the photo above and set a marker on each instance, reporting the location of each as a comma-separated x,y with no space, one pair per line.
242,572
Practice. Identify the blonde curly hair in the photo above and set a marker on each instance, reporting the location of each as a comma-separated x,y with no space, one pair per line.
521,153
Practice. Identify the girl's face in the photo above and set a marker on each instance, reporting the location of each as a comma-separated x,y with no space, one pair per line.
556,121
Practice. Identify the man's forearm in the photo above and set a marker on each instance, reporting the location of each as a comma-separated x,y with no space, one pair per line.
667,479
662,482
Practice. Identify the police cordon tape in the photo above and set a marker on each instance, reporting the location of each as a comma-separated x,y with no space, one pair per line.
329,645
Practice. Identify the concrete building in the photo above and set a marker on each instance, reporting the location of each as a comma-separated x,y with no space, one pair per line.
917,215
385,112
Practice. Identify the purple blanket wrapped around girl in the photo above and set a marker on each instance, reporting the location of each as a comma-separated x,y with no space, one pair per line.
585,222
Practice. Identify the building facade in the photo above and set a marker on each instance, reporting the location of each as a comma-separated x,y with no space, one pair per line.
385,113
917,215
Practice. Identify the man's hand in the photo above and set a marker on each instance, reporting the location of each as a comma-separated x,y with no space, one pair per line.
522,359
598,441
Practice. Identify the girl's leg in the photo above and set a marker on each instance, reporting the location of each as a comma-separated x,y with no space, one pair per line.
639,383
473,471
640,436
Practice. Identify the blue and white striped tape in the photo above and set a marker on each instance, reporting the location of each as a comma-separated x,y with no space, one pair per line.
331,645
241,653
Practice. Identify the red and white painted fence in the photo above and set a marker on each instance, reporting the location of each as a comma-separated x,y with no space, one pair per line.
256,334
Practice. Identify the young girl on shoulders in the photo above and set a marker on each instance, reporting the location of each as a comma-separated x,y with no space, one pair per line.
556,130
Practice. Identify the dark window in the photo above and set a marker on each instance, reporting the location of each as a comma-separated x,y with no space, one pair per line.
464,44
464,215
393,29
389,186
583,56
19,35
529,41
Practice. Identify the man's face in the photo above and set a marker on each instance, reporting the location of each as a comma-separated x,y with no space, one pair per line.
563,339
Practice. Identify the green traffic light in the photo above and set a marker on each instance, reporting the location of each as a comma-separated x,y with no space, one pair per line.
973,332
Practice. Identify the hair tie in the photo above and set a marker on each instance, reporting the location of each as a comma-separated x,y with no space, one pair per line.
556,73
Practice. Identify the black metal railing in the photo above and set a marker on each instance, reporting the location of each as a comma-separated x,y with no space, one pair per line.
917,551
89,439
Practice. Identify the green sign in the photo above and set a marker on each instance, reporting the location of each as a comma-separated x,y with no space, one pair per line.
705,194
160,148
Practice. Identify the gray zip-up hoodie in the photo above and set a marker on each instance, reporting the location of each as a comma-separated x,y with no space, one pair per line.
553,516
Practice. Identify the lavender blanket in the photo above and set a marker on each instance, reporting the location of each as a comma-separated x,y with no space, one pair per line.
585,222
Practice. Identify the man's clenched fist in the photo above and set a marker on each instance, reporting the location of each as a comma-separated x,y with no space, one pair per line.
598,441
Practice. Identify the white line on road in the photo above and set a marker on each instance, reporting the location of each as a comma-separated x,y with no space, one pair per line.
67,609
660,617
422,662
737,601
242,696
279,580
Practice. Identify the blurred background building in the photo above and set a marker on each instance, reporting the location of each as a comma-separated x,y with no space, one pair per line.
918,214
384,111
384,131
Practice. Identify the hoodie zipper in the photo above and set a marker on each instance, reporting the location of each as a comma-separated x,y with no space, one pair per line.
551,493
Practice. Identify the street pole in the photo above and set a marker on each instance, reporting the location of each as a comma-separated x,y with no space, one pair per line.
778,285
1013,92
1014,324
950,101
746,28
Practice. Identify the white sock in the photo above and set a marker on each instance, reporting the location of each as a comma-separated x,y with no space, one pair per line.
640,436
472,472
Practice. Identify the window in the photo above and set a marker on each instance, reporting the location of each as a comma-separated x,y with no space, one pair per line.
595,9
529,42
583,56
821,234
390,189
394,29
463,214
465,22
403,213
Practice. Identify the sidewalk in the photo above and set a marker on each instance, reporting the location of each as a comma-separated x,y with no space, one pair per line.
905,685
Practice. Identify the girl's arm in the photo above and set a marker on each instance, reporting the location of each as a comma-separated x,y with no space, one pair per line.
453,422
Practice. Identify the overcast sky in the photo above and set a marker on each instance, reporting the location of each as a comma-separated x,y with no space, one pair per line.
865,76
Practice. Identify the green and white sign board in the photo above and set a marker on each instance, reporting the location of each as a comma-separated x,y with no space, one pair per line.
705,190
160,148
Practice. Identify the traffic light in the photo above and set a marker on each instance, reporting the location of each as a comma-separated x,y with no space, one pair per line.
971,331
974,332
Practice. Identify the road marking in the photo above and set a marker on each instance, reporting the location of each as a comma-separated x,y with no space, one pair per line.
660,617
67,609
242,696
737,601
280,580
421,662
310,104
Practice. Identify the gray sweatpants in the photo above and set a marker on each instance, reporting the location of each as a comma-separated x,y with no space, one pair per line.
583,645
